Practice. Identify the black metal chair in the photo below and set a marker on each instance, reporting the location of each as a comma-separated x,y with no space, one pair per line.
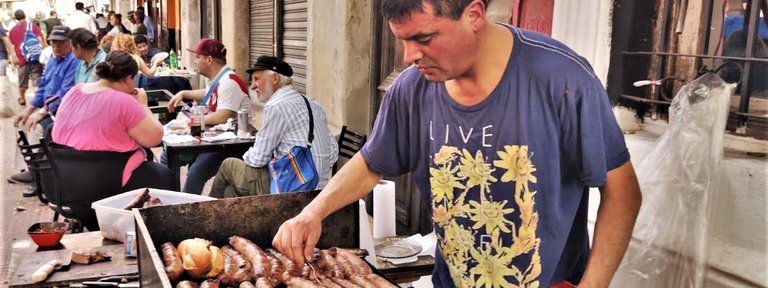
81,178
349,143
37,162
34,157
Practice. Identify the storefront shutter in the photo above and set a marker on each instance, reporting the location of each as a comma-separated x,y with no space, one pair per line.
262,29
295,40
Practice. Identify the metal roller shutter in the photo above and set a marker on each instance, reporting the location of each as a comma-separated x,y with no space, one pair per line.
262,31
295,40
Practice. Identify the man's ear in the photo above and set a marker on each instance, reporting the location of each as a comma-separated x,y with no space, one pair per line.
476,11
276,80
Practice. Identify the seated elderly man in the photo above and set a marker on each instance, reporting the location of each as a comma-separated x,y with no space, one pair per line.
285,124
58,77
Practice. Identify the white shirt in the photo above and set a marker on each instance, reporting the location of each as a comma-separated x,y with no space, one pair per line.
79,19
231,93
285,123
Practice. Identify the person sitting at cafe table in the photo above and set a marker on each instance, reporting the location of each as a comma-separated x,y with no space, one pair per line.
285,124
58,77
224,95
145,51
128,126
85,46
124,42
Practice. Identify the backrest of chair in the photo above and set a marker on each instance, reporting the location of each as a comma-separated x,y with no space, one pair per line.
349,143
34,157
84,177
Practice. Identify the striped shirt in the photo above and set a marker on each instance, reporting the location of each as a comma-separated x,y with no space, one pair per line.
285,123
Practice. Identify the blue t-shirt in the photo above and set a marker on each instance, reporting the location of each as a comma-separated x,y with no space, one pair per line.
507,178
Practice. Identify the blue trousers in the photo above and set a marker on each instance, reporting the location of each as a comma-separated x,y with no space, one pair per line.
200,170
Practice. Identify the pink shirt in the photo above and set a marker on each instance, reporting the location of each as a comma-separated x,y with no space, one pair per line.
100,121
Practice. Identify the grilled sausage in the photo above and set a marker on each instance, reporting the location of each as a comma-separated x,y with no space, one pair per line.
290,269
361,281
187,284
250,285
236,269
327,262
378,281
345,283
276,272
343,263
210,284
172,261
299,282
259,261
263,283
357,264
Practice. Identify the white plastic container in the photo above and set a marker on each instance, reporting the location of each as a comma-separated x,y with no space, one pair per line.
114,221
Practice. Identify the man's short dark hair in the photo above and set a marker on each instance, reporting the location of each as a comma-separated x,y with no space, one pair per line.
139,17
19,15
398,10
84,39
139,39
79,6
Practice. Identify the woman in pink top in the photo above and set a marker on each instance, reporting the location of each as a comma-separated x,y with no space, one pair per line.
112,115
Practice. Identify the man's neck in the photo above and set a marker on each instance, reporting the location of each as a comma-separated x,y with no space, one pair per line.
89,56
491,59
215,69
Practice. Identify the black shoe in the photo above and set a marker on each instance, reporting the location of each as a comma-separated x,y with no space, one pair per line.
24,177
31,191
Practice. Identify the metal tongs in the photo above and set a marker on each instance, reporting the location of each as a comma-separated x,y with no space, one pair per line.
314,273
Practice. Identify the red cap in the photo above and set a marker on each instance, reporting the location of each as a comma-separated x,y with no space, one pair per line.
210,47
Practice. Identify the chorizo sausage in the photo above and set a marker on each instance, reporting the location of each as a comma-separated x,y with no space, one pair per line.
327,262
172,261
259,262
187,284
236,269
263,283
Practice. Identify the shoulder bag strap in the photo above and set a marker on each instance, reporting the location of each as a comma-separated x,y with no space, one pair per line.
213,85
311,135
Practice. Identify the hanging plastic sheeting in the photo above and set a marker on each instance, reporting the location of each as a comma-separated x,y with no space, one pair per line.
679,179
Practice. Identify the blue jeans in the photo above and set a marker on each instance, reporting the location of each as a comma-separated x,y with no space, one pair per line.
200,170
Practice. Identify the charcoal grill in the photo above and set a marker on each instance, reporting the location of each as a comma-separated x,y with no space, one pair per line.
256,218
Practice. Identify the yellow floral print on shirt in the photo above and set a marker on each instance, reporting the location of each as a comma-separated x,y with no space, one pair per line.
455,174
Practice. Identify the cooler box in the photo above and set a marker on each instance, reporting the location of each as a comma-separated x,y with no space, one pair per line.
115,221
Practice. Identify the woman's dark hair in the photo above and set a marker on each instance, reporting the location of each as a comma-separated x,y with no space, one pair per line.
117,66
398,10
84,39
118,16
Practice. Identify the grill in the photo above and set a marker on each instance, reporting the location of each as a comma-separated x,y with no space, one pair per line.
256,218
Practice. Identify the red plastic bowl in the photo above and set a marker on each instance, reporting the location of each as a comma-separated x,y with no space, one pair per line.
47,234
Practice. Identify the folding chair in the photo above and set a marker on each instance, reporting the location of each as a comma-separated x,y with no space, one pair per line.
349,143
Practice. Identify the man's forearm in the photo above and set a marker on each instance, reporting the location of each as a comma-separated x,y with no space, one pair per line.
351,183
619,204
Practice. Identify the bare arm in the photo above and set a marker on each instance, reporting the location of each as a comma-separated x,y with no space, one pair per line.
218,117
148,133
196,95
619,204
148,71
9,50
298,236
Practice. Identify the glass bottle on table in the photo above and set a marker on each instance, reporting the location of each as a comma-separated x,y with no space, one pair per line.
196,119
173,61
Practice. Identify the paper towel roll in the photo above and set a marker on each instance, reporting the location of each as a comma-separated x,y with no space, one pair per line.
384,210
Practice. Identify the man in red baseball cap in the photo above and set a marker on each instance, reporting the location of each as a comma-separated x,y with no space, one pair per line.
224,94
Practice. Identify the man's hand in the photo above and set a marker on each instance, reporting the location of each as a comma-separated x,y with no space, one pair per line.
20,118
13,59
175,101
35,118
298,236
